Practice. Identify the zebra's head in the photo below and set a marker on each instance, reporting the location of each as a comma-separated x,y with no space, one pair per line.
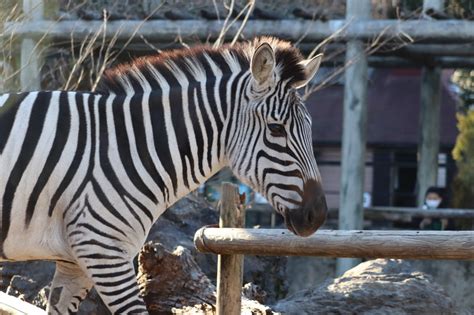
272,149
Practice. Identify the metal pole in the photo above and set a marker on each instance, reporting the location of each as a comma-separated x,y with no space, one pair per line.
354,131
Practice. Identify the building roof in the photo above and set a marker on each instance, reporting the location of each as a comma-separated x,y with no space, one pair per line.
263,9
393,110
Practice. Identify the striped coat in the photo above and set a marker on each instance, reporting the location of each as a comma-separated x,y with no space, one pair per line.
85,175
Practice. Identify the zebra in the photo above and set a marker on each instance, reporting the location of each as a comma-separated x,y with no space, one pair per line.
84,175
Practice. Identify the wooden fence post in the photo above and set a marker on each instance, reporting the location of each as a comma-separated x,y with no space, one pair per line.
230,267
354,130
430,99
428,149
31,60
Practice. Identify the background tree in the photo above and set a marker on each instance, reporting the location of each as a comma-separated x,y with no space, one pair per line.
463,152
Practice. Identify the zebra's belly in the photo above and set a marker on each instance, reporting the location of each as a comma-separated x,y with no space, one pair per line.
43,239
28,231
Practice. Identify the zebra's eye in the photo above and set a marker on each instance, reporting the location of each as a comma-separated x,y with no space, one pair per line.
277,130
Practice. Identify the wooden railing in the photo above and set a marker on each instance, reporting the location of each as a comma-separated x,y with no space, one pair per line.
388,213
457,245
232,243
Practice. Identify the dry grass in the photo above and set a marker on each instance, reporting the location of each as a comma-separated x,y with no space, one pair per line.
80,64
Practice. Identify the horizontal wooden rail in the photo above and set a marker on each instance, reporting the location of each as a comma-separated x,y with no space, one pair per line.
387,211
457,245
452,31
398,62
432,213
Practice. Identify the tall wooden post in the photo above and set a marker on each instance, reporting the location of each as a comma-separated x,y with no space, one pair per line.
30,53
428,146
230,267
429,126
354,130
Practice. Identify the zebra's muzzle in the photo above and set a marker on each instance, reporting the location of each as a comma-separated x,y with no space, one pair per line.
305,220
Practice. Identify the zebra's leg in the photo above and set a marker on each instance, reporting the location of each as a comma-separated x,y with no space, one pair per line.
115,281
70,286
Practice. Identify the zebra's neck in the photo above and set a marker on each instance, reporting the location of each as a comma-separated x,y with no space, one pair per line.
177,134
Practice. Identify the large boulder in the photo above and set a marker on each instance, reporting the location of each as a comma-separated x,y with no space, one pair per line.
382,286
455,276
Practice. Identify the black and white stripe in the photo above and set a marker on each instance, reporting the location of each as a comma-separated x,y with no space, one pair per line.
85,175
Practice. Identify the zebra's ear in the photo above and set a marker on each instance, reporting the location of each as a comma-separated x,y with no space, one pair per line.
310,66
263,63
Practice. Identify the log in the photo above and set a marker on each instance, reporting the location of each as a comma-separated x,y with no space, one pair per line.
439,50
407,51
458,245
386,61
446,31
172,282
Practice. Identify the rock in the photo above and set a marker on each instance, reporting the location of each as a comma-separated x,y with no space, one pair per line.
269,274
254,292
374,287
455,276
309,272
28,280
10,305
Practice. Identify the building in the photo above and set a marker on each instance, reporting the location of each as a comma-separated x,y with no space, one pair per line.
392,135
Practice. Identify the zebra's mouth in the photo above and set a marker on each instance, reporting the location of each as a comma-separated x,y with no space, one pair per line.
306,219
288,223
298,222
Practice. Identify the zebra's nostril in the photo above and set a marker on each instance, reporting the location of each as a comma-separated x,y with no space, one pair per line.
312,212
310,216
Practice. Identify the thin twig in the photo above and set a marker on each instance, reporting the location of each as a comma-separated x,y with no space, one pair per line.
251,6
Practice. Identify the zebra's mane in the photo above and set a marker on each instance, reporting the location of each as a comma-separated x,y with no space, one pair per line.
123,78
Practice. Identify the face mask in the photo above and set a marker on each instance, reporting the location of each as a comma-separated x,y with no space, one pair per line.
432,203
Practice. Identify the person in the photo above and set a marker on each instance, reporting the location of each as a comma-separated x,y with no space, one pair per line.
435,198
367,200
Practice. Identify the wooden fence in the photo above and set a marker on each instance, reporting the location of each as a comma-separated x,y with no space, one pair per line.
458,245
392,214
450,213
232,243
